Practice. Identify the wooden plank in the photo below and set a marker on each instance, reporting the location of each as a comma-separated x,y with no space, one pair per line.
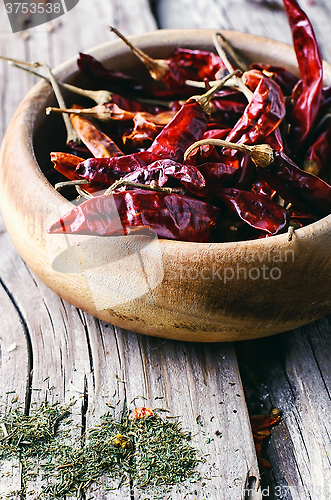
200,384
105,388
14,371
291,371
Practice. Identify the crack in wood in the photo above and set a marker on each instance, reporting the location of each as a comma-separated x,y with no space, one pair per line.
24,324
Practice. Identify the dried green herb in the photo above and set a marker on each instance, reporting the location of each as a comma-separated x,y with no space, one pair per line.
147,452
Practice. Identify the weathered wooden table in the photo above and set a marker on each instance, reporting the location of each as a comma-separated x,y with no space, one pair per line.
49,349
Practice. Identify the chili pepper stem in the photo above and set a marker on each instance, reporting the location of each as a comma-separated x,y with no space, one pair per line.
226,46
221,52
261,154
93,112
157,68
60,185
99,96
82,193
204,99
153,186
72,136
17,61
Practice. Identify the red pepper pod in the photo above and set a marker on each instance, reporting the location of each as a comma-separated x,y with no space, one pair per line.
217,176
171,216
303,189
187,126
311,71
285,79
66,164
256,210
94,69
319,153
189,64
108,170
161,170
263,114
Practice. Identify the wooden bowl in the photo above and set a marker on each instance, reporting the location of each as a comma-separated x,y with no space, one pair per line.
188,291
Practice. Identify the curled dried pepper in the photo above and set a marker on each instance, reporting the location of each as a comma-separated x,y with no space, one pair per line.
310,65
261,425
256,210
182,65
95,140
303,189
94,69
319,153
66,164
107,170
285,79
161,170
169,215
143,133
263,114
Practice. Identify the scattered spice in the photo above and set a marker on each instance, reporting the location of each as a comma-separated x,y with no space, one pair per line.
143,412
144,450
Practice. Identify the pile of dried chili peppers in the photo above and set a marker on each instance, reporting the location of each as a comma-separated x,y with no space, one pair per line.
208,150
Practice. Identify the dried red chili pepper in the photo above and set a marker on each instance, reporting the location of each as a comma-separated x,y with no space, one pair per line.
189,123
304,190
172,216
66,164
263,114
107,170
256,210
319,153
310,65
97,142
95,70
182,65
143,133
261,425
161,170
285,79
120,82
